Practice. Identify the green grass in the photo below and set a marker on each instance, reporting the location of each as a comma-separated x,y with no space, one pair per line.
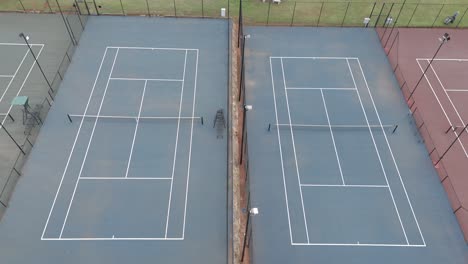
414,13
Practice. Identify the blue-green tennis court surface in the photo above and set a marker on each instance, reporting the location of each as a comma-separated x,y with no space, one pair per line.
338,171
128,167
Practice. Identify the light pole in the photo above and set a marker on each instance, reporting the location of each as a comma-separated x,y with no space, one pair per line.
252,211
444,39
242,73
244,122
35,59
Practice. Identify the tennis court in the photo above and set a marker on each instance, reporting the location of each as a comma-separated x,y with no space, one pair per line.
129,164
337,169
20,76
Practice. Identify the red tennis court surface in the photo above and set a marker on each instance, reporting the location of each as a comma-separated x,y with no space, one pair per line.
440,102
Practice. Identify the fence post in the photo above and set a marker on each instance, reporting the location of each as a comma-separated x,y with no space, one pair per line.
294,13
320,15
50,8
461,18
394,23
346,12
21,3
378,17
121,6
412,15
438,14
385,25
65,22
96,7
372,11
175,9
16,143
148,8
202,9
268,14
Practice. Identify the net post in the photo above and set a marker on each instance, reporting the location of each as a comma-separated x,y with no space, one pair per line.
394,129
269,127
69,118
201,118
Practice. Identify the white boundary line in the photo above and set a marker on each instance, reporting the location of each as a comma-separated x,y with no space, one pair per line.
281,153
89,144
391,152
456,90
22,85
14,75
112,238
440,59
378,153
144,79
121,178
318,58
136,129
356,245
345,186
294,151
318,88
73,146
442,108
21,44
332,137
176,145
150,48
190,146
7,76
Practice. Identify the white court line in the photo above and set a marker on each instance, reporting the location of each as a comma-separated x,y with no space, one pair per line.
176,145
344,186
73,146
448,96
427,59
136,130
145,79
20,44
442,108
281,152
14,75
190,146
332,137
356,245
7,76
378,153
111,238
135,117
121,178
149,48
294,151
318,58
22,85
318,88
89,144
456,90
391,153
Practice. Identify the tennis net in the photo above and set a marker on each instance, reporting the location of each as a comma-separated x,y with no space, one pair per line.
139,119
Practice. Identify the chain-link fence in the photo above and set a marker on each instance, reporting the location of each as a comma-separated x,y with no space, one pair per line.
41,83
265,12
